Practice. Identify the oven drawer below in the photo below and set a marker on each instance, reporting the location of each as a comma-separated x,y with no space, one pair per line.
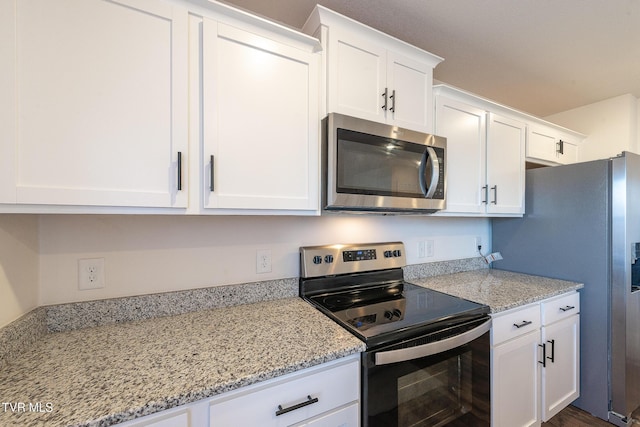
321,393
514,323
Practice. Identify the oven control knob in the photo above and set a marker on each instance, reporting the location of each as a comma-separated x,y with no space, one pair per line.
397,253
388,254
328,259
388,315
397,313
317,259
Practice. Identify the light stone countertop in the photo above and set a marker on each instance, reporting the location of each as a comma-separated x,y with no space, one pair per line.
108,374
500,290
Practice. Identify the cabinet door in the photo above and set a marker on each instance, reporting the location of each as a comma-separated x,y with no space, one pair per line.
7,101
261,122
101,103
464,126
541,143
357,77
561,375
505,165
569,150
410,83
180,419
515,393
349,416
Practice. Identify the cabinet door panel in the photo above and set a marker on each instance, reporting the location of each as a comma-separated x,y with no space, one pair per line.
464,126
561,377
515,396
412,82
7,102
348,416
261,122
541,144
101,102
505,165
360,78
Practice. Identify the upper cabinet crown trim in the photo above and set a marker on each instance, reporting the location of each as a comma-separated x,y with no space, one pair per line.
246,17
324,16
452,91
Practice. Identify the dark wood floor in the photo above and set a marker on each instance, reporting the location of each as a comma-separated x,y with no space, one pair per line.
574,417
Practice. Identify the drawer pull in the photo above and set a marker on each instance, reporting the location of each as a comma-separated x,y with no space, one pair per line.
524,323
567,308
308,402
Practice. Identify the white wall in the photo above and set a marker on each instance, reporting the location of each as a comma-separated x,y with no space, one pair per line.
147,254
18,266
611,126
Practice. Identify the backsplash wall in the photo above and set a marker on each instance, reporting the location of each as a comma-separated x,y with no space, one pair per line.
18,266
150,254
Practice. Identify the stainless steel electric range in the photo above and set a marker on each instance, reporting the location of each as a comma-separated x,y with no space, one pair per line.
427,361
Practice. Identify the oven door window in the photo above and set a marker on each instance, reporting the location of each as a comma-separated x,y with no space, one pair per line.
447,389
378,166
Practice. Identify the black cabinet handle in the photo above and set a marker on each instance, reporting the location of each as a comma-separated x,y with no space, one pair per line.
179,170
560,147
393,101
544,354
553,350
495,194
386,92
307,402
211,182
485,188
524,323
567,308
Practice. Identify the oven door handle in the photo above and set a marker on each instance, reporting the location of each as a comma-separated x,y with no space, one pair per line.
417,352
430,155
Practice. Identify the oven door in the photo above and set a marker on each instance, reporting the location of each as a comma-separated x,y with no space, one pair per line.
442,379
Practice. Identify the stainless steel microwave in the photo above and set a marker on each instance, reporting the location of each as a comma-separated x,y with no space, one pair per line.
373,167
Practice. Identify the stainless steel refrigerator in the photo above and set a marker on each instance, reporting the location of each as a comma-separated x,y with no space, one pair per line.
582,223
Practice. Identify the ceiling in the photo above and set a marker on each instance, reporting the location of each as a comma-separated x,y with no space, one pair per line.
538,56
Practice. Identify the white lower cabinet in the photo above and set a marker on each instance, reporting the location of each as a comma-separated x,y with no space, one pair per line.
561,371
535,361
327,395
293,400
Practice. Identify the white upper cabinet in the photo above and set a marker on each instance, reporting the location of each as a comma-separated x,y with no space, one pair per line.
260,121
505,165
100,113
550,145
371,75
485,155
145,106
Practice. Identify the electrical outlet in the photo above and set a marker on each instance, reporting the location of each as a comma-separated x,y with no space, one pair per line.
421,249
263,261
429,248
478,243
90,273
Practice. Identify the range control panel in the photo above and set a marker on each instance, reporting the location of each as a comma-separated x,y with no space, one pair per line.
317,261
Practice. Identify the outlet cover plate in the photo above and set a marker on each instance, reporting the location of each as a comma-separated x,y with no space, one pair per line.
90,273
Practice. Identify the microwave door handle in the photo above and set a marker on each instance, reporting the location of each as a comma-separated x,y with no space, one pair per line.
417,352
429,155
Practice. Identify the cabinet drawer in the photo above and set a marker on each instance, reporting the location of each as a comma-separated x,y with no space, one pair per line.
331,387
560,308
514,323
